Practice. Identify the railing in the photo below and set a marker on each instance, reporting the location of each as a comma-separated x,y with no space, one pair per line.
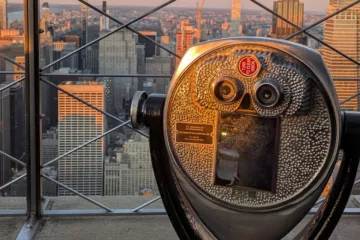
36,206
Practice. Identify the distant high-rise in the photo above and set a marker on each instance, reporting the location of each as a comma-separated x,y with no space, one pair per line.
159,65
150,48
342,32
21,61
50,147
3,14
184,39
92,59
131,173
45,19
12,130
293,10
84,34
46,11
117,55
82,170
61,49
104,21
73,38
225,29
235,18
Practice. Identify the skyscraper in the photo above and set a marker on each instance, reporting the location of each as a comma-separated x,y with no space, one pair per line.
46,11
293,10
150,48
159,65
45,18
61,49
3,14
104,21
21,61
84,35
12,129
131,173
184,39
82,170
117,55
342,32
235,18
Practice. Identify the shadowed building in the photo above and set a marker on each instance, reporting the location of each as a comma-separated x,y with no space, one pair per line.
117,55
131,173
12,130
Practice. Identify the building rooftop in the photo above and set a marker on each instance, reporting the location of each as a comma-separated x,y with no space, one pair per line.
90,83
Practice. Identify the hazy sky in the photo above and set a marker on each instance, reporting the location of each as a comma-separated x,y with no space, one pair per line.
310,5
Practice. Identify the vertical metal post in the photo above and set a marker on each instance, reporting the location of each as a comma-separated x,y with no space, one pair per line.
33,108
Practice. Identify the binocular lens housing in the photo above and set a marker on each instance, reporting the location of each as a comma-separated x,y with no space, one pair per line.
268,93
228,89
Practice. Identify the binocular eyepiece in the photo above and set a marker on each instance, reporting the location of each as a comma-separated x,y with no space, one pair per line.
267,93
228,89
246,140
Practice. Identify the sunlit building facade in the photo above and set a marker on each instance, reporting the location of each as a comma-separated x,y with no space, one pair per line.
78,123
21,61
235,18
342,32
184,39
292,10
3,14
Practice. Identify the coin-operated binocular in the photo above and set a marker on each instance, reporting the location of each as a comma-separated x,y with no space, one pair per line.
246,140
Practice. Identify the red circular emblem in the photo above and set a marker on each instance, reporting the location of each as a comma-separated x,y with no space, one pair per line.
248,66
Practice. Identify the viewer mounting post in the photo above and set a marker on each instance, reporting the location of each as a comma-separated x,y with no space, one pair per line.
33,108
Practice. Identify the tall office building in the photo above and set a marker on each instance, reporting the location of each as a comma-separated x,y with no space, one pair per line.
104,21
184,39
235,18
50,146
150,48
162,66
92,59
45,18
12,130
293,10
82,170
21,61
46,11
3,14
117,55
342,32
165,41
62,49
84,34
131,173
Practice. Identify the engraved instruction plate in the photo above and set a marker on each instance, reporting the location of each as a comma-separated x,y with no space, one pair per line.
194,133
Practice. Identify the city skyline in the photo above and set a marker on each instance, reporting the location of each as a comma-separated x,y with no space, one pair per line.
124,52
317,6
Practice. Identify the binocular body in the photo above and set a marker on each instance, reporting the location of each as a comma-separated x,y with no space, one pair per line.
246,139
